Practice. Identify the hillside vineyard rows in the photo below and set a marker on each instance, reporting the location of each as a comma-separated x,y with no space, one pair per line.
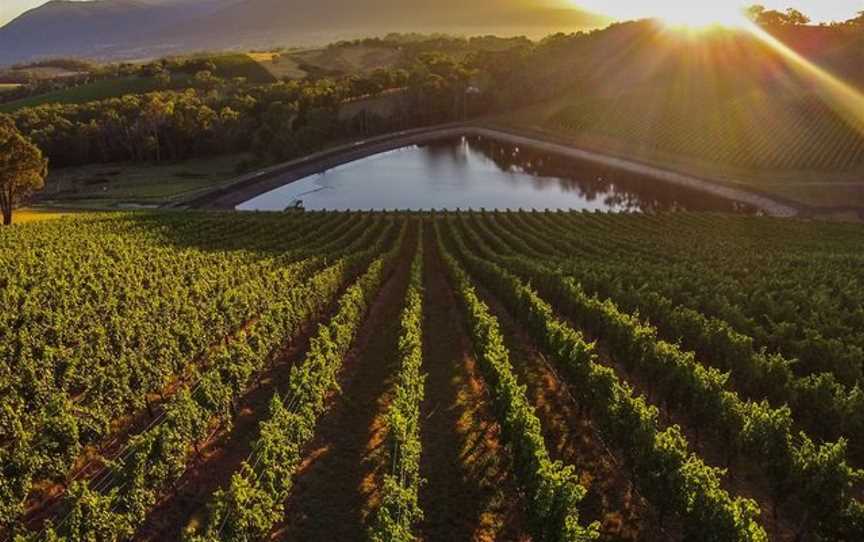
756,131
394,376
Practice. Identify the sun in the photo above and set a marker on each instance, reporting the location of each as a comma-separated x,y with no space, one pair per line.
699,16
675,13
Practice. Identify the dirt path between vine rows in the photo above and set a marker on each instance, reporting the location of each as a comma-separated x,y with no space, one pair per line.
336,486
469,493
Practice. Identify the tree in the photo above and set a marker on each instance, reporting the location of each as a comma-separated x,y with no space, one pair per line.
205,79
163,79
858,20
795,17
772,18
22,168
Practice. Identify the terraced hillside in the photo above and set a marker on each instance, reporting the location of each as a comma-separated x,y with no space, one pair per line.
431,376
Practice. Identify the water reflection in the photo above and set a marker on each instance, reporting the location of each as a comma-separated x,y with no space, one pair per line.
476,172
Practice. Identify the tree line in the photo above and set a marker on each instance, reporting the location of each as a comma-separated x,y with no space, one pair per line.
772,18
276,121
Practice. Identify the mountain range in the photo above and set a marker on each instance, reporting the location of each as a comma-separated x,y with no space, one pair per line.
134,29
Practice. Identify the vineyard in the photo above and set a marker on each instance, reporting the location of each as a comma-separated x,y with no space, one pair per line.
730,101
755,132
392,376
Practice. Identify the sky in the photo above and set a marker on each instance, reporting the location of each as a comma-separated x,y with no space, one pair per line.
819,10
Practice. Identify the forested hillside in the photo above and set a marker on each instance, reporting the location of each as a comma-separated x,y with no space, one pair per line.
90,29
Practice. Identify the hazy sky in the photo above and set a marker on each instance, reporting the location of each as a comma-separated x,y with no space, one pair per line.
818,9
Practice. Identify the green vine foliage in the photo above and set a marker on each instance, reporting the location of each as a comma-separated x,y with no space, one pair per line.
399,512
78,358
820,402
553,489
747,329
674,479
252,503
156,458
755,429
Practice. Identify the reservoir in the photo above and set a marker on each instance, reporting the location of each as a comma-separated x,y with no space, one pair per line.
481,173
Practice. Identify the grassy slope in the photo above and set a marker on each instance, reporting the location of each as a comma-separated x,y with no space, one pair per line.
26,215
98,90
228,66
231,65
106,185
280,66
354,59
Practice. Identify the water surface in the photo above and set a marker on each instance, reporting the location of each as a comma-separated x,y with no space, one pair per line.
475,172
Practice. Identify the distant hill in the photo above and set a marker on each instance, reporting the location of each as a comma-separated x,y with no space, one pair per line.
326,15
127,29
90,29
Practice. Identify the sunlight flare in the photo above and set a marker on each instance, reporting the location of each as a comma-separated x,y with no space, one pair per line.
677,13
845,99
700,16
